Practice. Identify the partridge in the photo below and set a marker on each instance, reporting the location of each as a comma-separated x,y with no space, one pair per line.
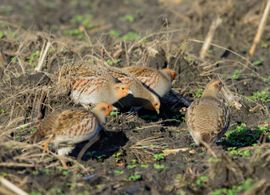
142,97
91,86
159,81
208,118
66,128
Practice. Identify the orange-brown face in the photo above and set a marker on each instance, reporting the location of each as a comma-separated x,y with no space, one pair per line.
121,90
156,105
171,72
215,84
104,108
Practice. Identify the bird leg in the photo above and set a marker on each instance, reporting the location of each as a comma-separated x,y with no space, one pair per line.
86,147
45,144
208,148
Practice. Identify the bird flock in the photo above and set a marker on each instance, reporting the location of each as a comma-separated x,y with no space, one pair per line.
134,87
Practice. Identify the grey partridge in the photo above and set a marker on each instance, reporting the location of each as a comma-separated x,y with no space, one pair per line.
208,118
66,128
142,97
89,85
160,81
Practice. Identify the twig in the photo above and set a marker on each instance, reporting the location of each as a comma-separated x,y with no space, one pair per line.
42,57
215,24
260,30
12,187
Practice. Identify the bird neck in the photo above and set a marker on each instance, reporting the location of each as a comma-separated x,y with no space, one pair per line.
210,93
166,75
100,116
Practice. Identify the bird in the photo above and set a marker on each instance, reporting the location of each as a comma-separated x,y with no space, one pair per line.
159,81
68,127
208,117
89,85
141,96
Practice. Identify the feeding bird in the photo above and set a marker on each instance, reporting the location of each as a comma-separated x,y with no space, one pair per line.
159,81
68,127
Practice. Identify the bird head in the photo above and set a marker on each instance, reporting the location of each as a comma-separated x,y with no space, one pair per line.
154,103
104,108
170,72
213,88
121,90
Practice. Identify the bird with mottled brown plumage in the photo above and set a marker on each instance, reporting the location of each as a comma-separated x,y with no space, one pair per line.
89,85
68,127
208,117
160,81
141,96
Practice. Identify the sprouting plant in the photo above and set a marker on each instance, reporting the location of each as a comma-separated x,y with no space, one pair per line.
83,20
2,34
131,166
117,156
233,151
198,93
34,57
263,96
128,18
135,177
241,136
144,166
201,180
131,36
113,62
118,171
257,62
2,110
114,33
236,189
159,156
159,166
235,74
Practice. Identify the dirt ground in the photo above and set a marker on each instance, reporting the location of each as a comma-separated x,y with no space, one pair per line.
138,153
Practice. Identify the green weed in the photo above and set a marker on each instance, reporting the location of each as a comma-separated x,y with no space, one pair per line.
128,18
33,57
197,93
263,96
236,189
241,136
235,74
160,167
257,62
201,180
114,33
131,36
135,177
118,171
233,151
158,156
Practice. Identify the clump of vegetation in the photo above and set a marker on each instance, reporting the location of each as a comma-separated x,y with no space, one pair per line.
131,36
235,74
263,96
159,156
198,93
236,189
128,18
241,136
135,177
233,151
201,181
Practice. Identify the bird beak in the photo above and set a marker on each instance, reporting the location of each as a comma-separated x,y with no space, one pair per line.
114,109
157,110
130,92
